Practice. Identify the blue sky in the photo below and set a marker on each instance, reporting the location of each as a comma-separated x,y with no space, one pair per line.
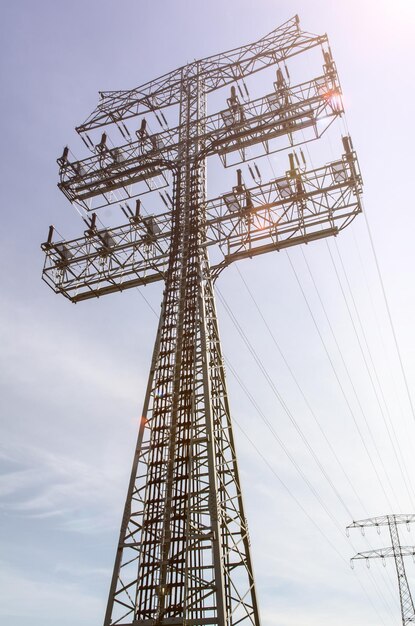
73,377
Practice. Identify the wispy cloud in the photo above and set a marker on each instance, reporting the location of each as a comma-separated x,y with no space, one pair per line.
51,485
28,597
43,344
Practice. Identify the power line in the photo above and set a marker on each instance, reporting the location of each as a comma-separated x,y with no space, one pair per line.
300,389
398,459
288,454
386,356
338,380
389,314
335,340
243,335
262,415
289,491
344,362
279,398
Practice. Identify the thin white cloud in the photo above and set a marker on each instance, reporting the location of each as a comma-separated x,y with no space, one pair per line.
52,355
59,486
26,596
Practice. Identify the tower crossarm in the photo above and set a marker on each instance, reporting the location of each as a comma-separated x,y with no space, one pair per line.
107,179
280,116
383,520
216,71
384,553
296,208
280,44
104,260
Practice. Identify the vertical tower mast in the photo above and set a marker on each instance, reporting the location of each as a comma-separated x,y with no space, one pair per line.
187,559
183,554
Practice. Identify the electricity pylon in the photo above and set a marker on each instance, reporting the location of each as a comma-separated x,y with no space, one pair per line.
183,554
397,552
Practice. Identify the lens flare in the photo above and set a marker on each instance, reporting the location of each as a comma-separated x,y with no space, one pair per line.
335,101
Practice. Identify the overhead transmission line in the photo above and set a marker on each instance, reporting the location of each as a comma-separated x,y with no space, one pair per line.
301,391
346,367
382,340
392,325
314,523
333,367
397,457
251,349
346,130
383,290
280,399
295,379
298,469
339,350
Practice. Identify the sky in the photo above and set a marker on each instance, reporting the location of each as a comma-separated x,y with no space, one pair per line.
73,376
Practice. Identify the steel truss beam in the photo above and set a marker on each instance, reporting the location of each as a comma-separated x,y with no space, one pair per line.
383,520
294,209
384,553
281,114
216,71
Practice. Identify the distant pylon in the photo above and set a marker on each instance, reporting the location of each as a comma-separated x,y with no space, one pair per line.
396,551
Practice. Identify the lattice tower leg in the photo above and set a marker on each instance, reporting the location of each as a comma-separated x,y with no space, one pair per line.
407,605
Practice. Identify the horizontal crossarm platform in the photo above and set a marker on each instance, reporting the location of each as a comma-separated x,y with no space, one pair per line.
383,520
111,177
108,260
281,115
216,71
299,207
384,553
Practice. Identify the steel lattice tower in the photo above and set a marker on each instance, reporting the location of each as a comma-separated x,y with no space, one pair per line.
397,552
183,555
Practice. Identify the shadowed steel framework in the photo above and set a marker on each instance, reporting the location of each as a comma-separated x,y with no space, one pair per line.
183,555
